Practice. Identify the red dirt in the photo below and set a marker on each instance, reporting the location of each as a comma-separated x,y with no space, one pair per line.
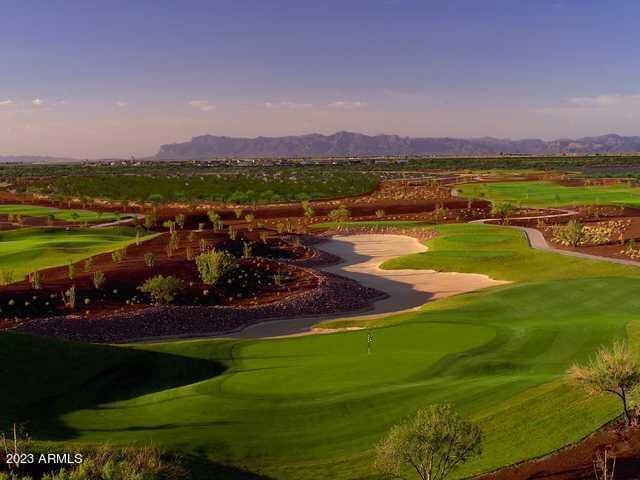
576,462
120,294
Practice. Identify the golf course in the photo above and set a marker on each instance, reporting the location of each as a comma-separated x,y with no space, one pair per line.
552,194
57,213
314,407
26,250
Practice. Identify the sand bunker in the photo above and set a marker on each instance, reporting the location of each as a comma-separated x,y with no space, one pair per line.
406,289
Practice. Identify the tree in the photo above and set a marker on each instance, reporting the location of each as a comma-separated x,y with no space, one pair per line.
163,290
434,443
504,210
215,219
339,214
615,371
215,264
308,210
149,259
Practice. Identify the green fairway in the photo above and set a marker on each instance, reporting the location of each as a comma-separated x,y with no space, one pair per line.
29,249
58,213
550,194
313,407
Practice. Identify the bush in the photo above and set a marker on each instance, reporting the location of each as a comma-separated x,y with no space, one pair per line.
163,290
214,265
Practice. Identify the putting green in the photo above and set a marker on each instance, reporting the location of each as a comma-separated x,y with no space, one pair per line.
550,194
313,407
58,213
29,249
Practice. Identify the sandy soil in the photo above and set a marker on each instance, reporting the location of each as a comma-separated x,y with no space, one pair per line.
362,256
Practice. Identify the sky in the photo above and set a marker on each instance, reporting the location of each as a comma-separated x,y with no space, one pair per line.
96,79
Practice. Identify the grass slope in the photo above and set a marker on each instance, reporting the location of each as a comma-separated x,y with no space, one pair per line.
59,213
312,407
28,249
550,194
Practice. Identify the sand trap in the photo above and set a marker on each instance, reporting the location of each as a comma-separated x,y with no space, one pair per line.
406,289
363,255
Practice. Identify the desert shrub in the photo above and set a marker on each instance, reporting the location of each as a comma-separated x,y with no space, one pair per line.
150,220
118,256
339,214
180,220
88,264
69,297
149,259
107,463
380,213
98,279
71,271
163,290
35,280
570,234
215,264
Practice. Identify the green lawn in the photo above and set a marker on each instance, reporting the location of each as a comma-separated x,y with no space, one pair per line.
59,213
550,194
29,249
313,407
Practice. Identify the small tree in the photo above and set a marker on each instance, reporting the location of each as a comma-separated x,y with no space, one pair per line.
215,264
163,290
215,219
180,220
98,279
308,210
150,220
149,259
571,234
88,264
71,271
434,443
380,213
340,214
504,210
615,371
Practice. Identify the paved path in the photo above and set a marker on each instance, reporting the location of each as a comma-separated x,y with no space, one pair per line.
536,239
124,221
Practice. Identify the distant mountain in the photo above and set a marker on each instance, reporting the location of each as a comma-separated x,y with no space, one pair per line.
347,143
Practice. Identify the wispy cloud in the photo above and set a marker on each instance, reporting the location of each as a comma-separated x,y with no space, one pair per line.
603,101
202,105
121,104
37,102
347,105
6,103
287,105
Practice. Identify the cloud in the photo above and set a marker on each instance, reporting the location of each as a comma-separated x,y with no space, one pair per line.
121,104
603,101
202,105
37,102
6,103
287,105
347,105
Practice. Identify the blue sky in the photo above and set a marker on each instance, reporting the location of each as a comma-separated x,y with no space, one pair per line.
95,78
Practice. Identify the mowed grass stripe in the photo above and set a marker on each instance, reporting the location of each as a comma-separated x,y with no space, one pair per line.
551,194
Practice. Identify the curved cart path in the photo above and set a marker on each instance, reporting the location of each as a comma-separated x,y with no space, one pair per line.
536,239
362,256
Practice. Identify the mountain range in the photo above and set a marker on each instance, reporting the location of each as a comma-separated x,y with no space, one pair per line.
348,143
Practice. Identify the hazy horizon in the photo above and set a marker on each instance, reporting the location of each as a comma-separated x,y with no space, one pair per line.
99,80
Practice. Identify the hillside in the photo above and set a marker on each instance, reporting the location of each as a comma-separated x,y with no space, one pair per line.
347,143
